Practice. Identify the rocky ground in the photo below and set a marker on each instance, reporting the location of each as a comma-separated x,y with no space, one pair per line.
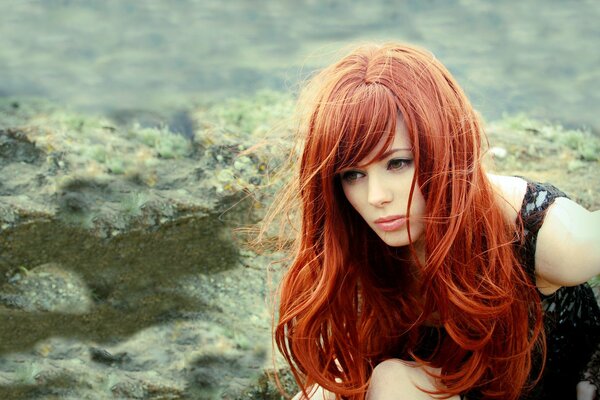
122,274
121,271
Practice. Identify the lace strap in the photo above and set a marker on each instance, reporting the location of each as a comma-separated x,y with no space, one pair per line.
538,197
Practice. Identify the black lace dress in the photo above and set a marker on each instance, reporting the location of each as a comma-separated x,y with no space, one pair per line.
571,317
571,314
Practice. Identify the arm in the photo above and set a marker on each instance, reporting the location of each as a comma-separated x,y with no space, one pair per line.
568,245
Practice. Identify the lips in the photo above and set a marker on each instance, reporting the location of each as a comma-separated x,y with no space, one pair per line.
391,223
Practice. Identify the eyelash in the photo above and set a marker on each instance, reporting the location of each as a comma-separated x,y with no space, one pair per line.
351,176
404,161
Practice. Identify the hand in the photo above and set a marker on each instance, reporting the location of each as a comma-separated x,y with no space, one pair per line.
586,391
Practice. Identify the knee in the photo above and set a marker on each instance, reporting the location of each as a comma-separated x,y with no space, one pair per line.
393,379
389,378
390,370
315,392
586,391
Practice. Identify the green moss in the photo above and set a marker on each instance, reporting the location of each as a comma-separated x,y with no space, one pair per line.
132,204
73,121
97,152
146,136
246,115
116,166
26,372
84,220
109,382
541,136
164,143
172,146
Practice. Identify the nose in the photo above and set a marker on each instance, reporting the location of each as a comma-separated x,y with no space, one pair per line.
379,193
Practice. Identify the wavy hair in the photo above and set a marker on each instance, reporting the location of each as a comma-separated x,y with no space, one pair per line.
348,301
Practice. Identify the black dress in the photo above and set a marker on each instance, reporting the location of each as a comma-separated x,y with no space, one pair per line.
571,314
571,317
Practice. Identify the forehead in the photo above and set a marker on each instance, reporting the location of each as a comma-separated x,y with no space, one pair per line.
401,141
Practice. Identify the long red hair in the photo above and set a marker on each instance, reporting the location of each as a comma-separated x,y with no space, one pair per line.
348,301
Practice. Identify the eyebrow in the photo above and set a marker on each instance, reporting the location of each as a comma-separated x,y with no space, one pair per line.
392,151
387,154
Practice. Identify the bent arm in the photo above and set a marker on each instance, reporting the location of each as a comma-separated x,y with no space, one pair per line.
568,245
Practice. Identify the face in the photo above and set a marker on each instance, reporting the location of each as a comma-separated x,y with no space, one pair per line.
378,189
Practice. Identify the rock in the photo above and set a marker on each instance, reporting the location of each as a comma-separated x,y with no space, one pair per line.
123,277
48,287
498,152
15,146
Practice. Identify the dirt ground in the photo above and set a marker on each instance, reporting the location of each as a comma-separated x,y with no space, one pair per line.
569,159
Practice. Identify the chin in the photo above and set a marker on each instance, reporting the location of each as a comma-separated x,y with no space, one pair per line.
399,238
395,239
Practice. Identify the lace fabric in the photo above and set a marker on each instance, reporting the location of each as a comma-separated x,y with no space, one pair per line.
571,314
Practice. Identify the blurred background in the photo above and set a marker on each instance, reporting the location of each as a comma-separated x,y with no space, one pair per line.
539,57
120,273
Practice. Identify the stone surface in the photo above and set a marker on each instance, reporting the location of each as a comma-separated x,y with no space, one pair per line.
121,270
48,287
122,273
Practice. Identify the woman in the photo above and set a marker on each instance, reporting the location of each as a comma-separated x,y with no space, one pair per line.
415,273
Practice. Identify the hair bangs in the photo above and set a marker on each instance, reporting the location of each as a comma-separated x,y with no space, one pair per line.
365,119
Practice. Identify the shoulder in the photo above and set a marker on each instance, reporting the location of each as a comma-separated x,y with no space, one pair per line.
509,193
567,252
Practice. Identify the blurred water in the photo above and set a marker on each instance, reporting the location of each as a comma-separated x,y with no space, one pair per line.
535,56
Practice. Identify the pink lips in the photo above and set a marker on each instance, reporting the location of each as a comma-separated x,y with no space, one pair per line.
391,223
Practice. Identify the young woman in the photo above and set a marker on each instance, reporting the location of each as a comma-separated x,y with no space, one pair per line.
417,274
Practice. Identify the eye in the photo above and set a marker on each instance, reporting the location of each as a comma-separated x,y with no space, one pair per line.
398,163
351,176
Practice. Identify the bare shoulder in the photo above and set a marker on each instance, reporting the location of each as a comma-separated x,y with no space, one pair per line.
509,191
567,251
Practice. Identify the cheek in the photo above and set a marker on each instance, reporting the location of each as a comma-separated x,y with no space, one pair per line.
418,204
352,196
